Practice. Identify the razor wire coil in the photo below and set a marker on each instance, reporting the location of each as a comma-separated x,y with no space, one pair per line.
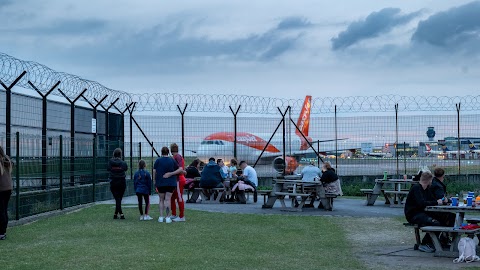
44,78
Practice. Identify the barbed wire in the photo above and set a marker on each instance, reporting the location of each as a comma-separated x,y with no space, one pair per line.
44,78
72,85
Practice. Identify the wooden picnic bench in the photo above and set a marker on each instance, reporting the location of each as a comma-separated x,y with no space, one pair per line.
212,191
296,189
456,234
393,196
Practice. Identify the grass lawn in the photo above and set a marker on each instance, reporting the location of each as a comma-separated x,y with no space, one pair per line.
91,239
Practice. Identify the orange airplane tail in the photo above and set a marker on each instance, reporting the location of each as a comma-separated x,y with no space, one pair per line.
303,122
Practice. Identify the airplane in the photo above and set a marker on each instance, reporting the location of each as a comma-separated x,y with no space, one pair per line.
472,148
444,151
250,146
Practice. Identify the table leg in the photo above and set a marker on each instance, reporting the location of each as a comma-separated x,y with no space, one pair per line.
377,189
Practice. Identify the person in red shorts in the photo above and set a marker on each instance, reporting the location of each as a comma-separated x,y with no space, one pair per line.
177,196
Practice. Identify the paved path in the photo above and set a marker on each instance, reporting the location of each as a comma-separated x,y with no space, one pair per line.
341,207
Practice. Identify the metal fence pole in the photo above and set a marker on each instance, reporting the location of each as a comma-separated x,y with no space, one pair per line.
17,177
396,137
44,129
140,150
458,136
94,180
336,140
235,130
61,172
183,127
8,111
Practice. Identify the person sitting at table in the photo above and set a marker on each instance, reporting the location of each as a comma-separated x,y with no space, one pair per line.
249,176
419,197
232,170
439,191
211,177
223,168
330,181
191,184
311,172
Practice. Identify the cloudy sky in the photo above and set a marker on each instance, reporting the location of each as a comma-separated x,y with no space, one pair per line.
285,49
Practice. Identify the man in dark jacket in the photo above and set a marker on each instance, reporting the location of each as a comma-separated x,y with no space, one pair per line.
419,197
211,177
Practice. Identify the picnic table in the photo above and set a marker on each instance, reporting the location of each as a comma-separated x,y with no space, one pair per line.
456,232
395,191
294,188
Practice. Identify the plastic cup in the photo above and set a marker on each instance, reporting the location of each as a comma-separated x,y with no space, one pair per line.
454,201
469,201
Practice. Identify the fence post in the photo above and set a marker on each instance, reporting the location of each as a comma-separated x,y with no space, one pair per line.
396,137
44,129
336,142
17,177
61,172
94,167
140,150
458,136
8,111
72,133
235,130
183,127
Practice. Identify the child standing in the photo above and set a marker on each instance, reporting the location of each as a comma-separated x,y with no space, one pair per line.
143,186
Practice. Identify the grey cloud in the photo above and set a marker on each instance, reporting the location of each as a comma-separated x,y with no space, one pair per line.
293,23
4,3
69,27
453,28
372,26
161,47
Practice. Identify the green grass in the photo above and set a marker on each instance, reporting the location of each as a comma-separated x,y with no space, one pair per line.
91,239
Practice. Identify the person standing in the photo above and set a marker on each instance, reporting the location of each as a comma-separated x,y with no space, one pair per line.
117,168
5,191
177,196
142,182
164,171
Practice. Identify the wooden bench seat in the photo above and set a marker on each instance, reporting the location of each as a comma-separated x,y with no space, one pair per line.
393,195
265,194
212,192
455,232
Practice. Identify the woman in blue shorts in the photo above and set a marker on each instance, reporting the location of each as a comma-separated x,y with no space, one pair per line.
164,171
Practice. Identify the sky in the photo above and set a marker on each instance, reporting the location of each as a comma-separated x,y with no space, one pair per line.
284,49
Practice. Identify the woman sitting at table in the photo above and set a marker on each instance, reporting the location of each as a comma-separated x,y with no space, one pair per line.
191,184
330,180
419,197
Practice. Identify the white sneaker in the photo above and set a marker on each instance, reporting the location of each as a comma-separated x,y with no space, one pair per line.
147,217
142,217
173,217
160,219
168,220
179,219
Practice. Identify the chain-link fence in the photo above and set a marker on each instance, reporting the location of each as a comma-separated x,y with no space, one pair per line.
61,148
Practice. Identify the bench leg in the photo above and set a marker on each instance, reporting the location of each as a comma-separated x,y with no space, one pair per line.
417,239
371,198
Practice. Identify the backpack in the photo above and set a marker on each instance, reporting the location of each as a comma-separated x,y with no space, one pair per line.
466,251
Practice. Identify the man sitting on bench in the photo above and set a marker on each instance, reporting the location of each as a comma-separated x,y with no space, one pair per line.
211,177
419,197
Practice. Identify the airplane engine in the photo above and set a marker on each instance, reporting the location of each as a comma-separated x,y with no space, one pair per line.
290,166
